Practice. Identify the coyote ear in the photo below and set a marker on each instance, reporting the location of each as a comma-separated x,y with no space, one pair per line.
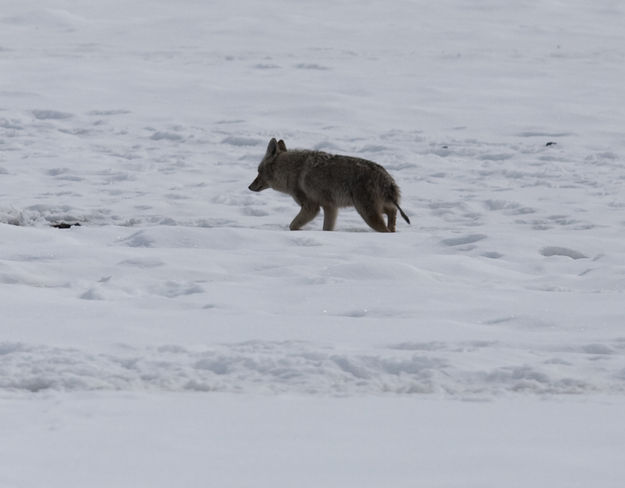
281,145
272,148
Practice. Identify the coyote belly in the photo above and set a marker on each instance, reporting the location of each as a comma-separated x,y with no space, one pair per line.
318,180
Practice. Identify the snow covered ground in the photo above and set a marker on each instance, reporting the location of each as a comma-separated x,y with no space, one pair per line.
182,336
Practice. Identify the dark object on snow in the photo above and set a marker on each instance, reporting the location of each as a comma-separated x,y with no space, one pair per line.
551,143
64,225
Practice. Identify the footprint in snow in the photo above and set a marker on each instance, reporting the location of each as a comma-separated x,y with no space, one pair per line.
463,240
108,113
138,239
174,289
304,242
312,66
263,66
51,115
166,136
544,134
562,251
144,263
492,255
241,141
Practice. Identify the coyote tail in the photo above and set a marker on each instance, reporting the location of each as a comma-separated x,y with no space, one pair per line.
401,211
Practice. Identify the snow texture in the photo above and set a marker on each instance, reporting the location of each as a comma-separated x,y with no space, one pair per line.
488,335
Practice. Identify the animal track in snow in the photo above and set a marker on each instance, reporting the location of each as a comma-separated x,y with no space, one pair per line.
144,263
242,141
51,115
108,113
544,134
562,251
312,66
463,240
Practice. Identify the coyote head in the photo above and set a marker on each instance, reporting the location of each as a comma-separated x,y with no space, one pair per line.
266,166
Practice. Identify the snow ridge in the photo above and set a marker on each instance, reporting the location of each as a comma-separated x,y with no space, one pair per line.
306,368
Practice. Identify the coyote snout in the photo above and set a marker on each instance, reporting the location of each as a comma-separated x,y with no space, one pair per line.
259,184
319,180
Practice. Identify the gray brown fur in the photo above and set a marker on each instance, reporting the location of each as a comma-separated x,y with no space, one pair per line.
317,180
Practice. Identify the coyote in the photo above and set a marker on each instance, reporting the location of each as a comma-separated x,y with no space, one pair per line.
316,179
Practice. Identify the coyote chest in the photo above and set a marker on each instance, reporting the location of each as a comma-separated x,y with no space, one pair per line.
318,180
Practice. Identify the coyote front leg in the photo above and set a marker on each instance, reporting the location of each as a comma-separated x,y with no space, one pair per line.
329,217
308,212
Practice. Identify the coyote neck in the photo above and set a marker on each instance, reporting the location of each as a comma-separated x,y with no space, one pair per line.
287,169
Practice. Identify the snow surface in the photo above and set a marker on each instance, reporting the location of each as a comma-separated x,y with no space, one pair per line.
182,336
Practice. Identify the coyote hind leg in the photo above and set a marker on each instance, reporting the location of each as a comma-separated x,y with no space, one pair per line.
391,213
373,218
376,222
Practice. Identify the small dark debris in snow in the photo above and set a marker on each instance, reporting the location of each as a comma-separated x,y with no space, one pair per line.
64,225
445,147
551,143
